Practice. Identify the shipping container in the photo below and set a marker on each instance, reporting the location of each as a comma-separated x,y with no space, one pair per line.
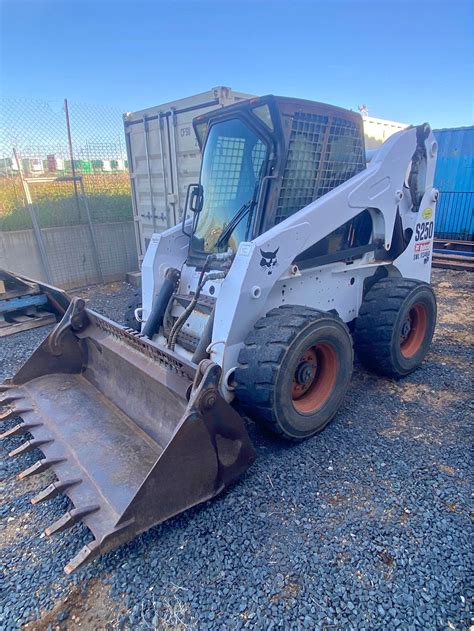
164,158
454,177
377,130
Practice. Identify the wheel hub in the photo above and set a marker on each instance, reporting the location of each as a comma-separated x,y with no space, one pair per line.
413,330
304,373
406,328
314,377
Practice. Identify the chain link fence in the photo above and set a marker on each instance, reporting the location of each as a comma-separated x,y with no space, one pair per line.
65,207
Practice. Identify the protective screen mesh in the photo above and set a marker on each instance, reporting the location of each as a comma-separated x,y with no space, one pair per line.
226,168
323,153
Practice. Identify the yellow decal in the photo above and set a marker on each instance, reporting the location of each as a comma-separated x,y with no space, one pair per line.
427,213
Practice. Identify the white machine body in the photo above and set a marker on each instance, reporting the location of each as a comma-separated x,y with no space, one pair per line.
255,284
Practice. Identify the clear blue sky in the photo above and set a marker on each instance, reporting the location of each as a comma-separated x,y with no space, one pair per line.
409,60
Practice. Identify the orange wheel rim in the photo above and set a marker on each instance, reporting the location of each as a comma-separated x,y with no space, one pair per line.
314,378
414,330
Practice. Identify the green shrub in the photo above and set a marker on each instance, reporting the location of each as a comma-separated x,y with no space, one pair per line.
108,197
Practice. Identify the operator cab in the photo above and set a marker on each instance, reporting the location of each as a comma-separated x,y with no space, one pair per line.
265,159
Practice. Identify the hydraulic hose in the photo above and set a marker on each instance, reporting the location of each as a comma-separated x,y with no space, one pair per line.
178,325
203,279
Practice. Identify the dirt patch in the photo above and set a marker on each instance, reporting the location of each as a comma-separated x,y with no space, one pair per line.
447,360
15,525
88,293
337,499
412,392
89,607
454,306
447,469
16,522
289,591
292,588
400,425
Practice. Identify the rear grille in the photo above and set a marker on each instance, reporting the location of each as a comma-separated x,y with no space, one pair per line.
323,153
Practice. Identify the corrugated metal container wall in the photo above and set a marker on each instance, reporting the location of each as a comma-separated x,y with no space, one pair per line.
164,158
454,178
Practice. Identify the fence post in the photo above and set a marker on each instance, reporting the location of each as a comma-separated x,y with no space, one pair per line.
75,178
95,249
34,220
71,155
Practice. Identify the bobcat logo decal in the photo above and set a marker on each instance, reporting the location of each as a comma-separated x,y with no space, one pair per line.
268,260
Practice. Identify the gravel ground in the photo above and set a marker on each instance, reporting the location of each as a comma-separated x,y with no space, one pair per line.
364,527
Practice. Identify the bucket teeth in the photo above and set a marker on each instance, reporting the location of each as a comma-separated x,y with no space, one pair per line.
7,386
12,412
54,489
85,554
39,467
21,428
9,397
28,446
69,519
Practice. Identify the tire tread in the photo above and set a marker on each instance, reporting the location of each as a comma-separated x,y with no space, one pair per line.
271,335
375,322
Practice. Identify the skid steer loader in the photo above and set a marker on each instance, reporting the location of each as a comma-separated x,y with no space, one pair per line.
294,248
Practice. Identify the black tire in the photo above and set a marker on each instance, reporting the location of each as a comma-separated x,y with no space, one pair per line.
129,316
395,326
294,370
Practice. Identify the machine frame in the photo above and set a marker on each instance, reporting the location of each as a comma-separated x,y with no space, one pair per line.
255,283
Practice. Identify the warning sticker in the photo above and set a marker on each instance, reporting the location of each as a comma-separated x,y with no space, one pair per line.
422,250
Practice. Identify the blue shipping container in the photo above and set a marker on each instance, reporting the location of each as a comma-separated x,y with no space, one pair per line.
454,177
